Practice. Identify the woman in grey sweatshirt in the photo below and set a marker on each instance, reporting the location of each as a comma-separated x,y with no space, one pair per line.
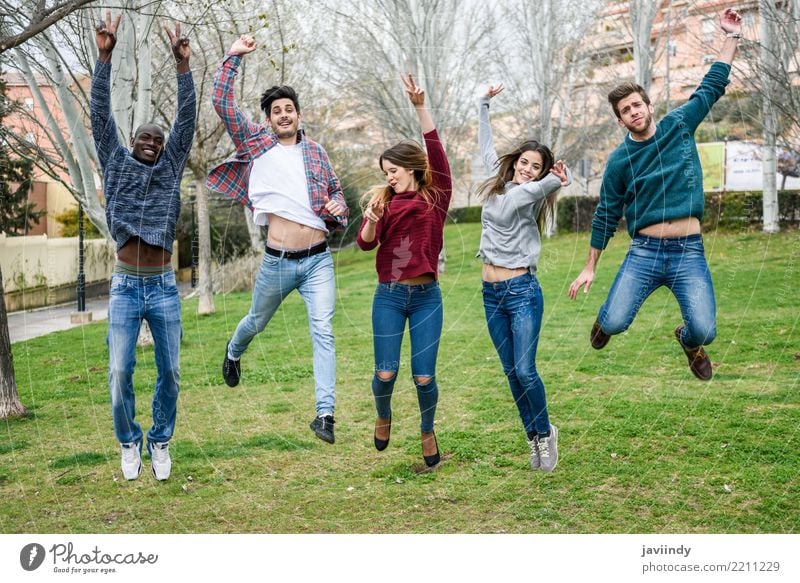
517,199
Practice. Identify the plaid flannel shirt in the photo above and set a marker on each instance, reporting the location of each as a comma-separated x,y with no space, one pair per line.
252,140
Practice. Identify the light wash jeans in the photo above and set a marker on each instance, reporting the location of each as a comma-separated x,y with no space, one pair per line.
514,309
313,278
678,263
156,300
421,306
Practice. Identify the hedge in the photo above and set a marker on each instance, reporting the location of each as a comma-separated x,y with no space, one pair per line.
724,210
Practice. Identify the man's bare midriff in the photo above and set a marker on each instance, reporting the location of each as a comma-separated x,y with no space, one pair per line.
495,273
287,235
675,228
137,252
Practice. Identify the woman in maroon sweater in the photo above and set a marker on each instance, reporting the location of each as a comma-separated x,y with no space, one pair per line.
405,220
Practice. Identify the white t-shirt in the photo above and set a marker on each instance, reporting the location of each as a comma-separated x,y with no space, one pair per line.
278,186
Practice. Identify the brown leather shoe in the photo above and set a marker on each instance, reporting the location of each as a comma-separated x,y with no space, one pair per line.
699,363
597,337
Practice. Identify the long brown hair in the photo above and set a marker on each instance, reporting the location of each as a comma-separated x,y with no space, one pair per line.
407,154
505,173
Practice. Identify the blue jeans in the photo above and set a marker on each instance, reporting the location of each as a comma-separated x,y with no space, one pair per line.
514,316
313,278
421,305
156,300
677,263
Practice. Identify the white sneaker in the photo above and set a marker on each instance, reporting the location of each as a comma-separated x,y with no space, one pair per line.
131,461
162,463
534,445
548,450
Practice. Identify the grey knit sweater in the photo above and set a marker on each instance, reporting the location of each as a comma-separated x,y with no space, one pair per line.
510,235
141,200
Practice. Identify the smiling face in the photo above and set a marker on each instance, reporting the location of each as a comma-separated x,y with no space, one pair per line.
284,119
635,115
147,143
528,166
400,179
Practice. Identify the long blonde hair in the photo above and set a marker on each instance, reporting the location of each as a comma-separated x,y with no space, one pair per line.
407,154
505,173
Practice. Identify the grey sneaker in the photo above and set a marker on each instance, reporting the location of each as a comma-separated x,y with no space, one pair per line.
534,445
131,460
162,463
548,450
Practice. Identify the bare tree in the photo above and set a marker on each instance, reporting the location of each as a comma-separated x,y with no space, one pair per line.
26,19
444,43
10,405
643,14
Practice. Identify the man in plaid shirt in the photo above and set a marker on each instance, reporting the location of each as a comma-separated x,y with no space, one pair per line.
287,181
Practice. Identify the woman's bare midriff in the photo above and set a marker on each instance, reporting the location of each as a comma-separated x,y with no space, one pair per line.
291,236
671,229
420,279
494,273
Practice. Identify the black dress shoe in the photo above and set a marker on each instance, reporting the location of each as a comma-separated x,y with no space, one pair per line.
381,444
432,460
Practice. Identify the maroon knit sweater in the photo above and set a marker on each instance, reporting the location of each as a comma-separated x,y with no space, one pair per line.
410,231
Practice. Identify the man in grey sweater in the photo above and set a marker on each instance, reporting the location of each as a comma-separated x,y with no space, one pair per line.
142,192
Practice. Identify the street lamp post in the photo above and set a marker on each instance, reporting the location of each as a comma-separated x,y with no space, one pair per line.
81,316
81,273
192,200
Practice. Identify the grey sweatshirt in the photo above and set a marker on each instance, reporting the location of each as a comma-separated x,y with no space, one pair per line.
510,235
141,200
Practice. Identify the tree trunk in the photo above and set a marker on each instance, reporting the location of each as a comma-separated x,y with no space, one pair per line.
10,405
769,117
256,242
204,287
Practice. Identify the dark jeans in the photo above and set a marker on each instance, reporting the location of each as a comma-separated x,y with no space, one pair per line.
514,316
421,305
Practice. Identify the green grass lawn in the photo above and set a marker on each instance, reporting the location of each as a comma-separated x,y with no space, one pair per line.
644,446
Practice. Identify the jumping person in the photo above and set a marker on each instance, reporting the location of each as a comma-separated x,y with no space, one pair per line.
654,177
142,191
405,220
518,200
288,182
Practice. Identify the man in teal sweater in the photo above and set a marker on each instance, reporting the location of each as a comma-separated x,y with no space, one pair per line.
654,178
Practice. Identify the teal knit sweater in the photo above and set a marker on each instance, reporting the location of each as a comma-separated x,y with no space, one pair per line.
659,179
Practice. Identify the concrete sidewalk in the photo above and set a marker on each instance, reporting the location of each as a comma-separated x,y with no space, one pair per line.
29,324
32,323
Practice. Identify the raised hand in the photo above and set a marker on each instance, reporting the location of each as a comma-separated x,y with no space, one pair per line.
415,94
180,44
494,90
559,170
106,35
243,45
730,21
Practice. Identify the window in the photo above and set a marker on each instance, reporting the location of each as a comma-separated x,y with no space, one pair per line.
672,48
709,30
29,103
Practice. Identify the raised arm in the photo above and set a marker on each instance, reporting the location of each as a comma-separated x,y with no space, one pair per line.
222,96
713,85
104,129
485,140
731,24
417,97
182,132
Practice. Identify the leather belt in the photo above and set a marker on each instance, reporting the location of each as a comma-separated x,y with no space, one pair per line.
301,254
